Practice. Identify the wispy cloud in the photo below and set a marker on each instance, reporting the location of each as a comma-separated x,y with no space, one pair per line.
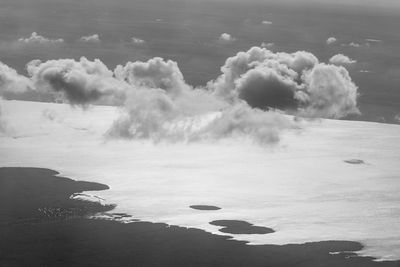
266,22
267,45
94,38
226,38
352,44
137,41
35,38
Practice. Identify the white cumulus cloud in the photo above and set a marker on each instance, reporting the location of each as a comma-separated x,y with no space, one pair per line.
78,82
11,82
155,73
296,83
329,92
341,59
331,40
226,38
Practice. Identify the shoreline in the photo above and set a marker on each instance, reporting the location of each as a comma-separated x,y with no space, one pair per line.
41,225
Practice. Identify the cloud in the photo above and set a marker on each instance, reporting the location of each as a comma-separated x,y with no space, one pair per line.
295,83
12,83
266,22
328,92
156,115
226,38
38,39
331,40
397,118
156,103
341,59
286,66
266,87
77,82
241,120
137,41
161,106
3,124
352,44
155,73
267,45
94,38
373,41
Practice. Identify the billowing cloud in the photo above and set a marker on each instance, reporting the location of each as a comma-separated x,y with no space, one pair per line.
156,115
94,38
156,103
331,40
296,83
38,39
285,66
78,82
155,73
328,92
266,87
137,41
12,83
226,38
341,59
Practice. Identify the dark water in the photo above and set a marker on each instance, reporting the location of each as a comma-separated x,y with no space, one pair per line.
187,32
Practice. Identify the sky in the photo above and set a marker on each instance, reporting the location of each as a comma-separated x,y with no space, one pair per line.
189,33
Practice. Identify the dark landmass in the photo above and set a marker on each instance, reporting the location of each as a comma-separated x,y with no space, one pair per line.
204,207
34,194
354,161
241,227
28,238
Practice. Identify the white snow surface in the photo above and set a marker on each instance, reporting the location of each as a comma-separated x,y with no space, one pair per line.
300,187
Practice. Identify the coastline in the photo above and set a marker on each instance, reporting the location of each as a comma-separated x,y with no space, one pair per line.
70,238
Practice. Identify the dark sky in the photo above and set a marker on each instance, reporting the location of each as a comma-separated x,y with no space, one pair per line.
188,31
